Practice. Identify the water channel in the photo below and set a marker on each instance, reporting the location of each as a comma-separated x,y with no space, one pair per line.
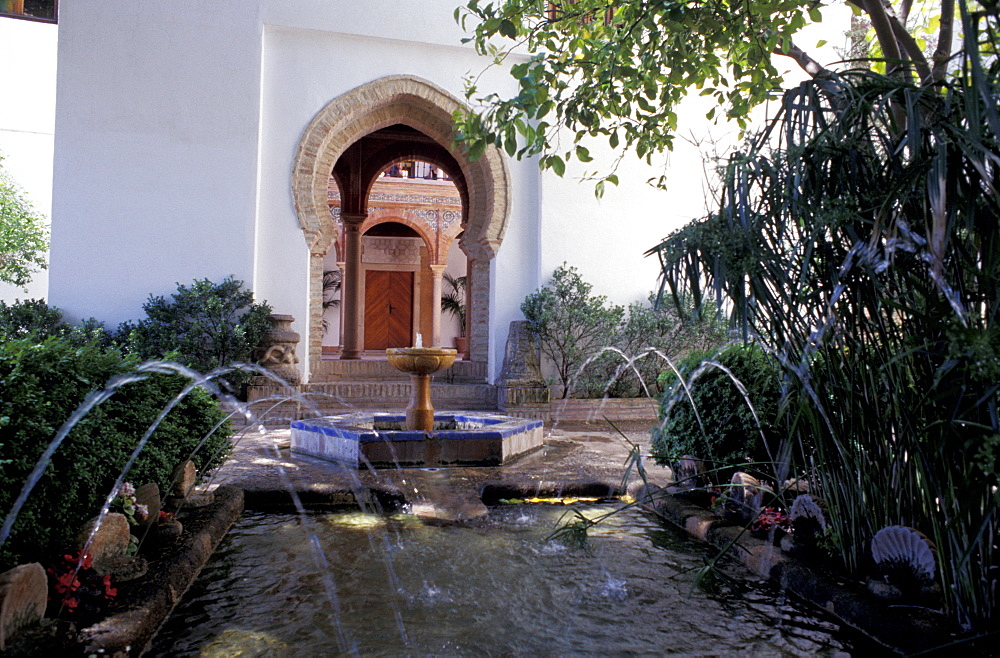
496,588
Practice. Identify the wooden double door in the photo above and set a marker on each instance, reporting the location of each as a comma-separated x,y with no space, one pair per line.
388,309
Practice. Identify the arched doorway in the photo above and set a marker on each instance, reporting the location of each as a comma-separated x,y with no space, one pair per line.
408,247
354,137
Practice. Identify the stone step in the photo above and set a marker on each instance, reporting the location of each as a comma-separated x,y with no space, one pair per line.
373,394
327,398
331,370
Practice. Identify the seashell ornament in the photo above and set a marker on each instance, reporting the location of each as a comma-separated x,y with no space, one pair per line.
809,518
689,472
905,560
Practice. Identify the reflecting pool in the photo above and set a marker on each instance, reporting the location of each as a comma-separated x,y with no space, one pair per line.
500,588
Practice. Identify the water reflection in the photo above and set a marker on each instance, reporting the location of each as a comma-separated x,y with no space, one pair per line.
494,589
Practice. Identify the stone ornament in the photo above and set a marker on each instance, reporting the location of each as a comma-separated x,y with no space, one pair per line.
809,517
745,496
277,350
24,591
905,563
689,472
182,488
149,495
109,547
521,381
183,479
110,541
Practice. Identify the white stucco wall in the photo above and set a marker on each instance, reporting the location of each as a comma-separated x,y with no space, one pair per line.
27,121
156,151
177,125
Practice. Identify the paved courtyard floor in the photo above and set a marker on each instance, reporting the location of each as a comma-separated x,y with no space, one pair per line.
577,459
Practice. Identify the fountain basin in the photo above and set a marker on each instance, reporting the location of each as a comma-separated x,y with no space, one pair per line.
381,440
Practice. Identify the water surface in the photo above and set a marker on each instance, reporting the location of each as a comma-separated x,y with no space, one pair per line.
496,589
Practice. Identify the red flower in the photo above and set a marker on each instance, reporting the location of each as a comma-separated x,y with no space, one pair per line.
771,517
109,591
67,582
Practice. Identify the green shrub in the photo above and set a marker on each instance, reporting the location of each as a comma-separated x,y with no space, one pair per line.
207,325
671,333
728,434
41,384
34,318
569,323
30,317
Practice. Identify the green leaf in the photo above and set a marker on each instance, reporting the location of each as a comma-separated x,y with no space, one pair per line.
477,149
508,29
557,164
510,144
582,154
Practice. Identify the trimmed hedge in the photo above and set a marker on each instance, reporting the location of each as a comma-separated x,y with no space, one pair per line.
728,434
205,325
41,384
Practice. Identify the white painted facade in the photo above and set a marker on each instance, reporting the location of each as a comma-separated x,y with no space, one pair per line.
177,125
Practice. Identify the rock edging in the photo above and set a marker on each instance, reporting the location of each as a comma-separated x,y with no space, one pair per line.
903,632
147,603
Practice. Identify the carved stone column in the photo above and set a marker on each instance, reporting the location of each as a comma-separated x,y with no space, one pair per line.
437,273
351,285
468,309
277,350
477,310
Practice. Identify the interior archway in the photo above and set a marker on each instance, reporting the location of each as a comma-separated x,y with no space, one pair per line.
424,107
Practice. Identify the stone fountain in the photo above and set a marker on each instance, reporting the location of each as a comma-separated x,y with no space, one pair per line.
420,363
421,437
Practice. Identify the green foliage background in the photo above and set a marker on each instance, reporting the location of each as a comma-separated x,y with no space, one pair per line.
205,326
591,342
569,323
24,236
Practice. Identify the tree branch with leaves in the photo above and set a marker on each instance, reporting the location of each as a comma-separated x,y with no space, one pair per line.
617,70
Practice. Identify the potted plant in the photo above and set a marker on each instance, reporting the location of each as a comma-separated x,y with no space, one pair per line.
454,302
332,280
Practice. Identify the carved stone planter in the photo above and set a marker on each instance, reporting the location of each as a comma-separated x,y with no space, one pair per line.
277,350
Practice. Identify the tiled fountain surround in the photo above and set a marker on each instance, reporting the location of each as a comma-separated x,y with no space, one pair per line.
459,439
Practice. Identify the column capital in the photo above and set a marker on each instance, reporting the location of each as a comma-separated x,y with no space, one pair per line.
437,269
353,218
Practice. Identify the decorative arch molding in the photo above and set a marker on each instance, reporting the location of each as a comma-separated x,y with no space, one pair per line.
381,103
406,218
423,106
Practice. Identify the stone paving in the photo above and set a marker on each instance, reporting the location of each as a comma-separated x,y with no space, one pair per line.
578,459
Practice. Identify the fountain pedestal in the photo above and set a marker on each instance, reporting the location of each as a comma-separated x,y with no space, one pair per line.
420,363
378,440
